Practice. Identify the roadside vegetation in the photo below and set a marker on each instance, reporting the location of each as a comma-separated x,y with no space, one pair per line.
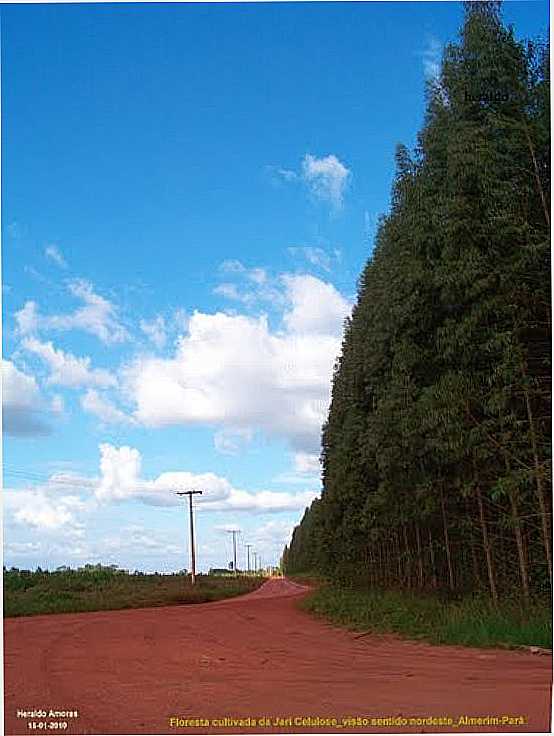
99,588
469,621
436,452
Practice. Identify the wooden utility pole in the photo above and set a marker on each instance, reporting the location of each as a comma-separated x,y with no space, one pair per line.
248,555
192,551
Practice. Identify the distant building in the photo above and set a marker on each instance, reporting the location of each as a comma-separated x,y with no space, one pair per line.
220,571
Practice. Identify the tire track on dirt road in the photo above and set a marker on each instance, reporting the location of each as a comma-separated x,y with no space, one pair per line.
256,655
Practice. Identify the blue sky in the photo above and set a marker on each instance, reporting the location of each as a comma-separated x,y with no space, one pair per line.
189,193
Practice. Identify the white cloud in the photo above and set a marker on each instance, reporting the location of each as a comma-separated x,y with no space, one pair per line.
23,408
41,510
317,307
287,174
256,274
27,319
97,404
234,372
57,404
180,320
18,386
155,330
230,370
232,440
57,512
137,538
98,316
306,471
254,285
326,178
308,463
232,265
120,469
230,291
270,538
315,256
66,369
21,548
432,59
54,254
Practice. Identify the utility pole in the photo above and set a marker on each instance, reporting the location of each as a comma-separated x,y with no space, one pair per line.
234,532
255,555
192,551
248,554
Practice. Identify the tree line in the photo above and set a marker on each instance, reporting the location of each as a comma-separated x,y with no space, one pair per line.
436,450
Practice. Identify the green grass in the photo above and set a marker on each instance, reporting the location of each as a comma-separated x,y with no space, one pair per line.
471,621
29,593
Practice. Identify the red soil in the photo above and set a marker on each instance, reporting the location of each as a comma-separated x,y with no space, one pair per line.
129,672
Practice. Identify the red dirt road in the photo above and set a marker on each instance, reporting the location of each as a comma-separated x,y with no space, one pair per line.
257,656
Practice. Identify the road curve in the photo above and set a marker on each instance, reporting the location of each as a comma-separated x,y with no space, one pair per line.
256,656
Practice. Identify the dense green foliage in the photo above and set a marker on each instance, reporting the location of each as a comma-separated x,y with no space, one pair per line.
472,621
436,450
98,588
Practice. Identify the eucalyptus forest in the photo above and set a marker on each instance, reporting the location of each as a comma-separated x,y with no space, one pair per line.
436,449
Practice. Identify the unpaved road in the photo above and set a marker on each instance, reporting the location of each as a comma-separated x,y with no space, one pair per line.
129,672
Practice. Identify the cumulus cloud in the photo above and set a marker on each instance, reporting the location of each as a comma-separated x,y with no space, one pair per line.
233,371
27,318
155,330
230,370
54,254
24,411
66,369
39,509
96,403
40,512
316,306
326,178
98,316
120,470
59,510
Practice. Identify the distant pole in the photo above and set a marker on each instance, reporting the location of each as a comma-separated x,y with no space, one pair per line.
192,550
234,532
248,555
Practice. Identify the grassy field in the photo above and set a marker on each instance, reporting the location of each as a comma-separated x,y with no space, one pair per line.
91,588
471,621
